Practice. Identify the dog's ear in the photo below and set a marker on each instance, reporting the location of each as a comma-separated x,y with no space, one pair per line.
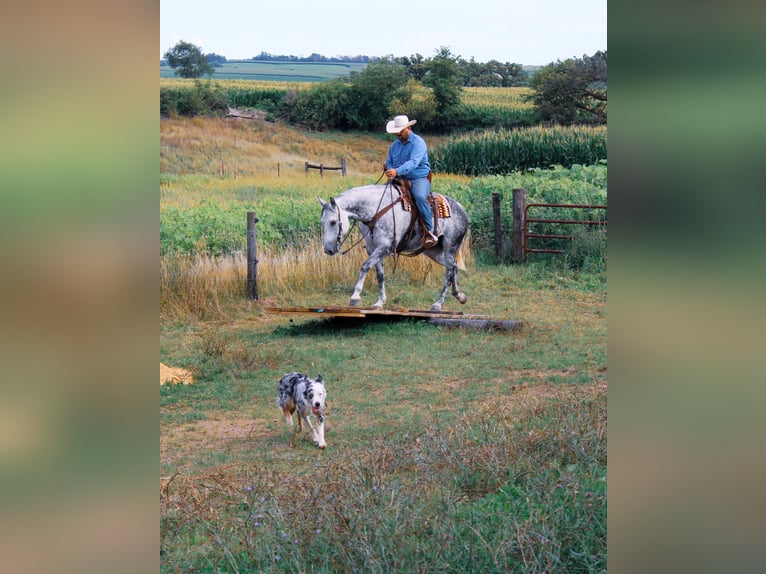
319,378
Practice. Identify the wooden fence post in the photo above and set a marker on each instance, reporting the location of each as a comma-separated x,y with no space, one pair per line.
252,257
343,166
517,228
498,225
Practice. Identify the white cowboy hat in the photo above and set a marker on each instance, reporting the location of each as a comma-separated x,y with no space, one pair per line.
399,123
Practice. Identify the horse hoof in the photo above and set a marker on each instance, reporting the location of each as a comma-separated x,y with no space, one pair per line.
462,298
435,308
355,302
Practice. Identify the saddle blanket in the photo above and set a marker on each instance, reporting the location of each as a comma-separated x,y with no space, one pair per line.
441,204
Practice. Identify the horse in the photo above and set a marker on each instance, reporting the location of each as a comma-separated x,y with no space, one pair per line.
386,228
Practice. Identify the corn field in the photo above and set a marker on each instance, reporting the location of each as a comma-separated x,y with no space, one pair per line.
506,151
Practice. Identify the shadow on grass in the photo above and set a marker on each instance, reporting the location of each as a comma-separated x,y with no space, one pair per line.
349,326
376,323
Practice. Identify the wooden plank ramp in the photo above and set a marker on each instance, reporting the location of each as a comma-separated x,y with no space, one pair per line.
447,318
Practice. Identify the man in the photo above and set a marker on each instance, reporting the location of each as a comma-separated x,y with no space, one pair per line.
408,159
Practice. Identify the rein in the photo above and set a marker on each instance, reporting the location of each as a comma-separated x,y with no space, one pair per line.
370,223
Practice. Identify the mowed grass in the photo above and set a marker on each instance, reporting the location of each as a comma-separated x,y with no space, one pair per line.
449,450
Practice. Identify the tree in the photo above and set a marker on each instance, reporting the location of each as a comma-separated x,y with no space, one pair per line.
371,92
216,60
572,91
415,101
445,78
188,61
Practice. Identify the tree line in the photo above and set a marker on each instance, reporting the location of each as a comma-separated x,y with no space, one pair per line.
569,92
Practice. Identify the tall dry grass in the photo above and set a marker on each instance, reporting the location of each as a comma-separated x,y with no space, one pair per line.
202,287
241,147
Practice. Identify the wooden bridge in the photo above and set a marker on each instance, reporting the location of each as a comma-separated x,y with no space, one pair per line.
447,318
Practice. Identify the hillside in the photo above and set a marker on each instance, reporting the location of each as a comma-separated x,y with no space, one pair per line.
277,71
245,147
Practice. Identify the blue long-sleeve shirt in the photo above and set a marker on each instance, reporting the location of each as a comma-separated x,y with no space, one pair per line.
409,159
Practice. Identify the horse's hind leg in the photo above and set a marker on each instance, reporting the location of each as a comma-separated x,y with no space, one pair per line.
449,273
459,295
450,279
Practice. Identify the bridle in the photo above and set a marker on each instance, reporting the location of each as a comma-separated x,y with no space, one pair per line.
340,240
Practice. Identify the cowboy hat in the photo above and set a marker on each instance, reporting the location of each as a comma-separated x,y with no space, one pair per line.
399,123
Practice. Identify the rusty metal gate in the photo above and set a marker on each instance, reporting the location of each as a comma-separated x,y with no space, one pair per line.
527,234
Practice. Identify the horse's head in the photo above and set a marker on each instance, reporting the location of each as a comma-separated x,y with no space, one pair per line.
335,225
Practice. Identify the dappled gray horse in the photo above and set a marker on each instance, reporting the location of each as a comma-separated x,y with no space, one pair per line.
385,226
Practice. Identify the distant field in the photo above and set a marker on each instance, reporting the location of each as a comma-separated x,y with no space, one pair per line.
278,71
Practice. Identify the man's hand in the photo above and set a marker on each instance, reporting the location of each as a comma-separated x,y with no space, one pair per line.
391,173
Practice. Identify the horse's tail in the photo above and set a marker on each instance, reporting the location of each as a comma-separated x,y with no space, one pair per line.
459,260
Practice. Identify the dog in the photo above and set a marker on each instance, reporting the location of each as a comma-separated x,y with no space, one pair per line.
297,392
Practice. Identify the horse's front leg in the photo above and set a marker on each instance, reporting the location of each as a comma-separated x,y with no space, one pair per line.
381,285
375,258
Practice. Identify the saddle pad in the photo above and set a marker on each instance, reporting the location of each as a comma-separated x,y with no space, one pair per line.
434,198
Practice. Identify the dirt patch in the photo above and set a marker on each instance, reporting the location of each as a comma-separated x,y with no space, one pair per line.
179,442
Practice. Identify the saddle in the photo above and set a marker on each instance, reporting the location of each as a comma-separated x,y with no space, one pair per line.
439,206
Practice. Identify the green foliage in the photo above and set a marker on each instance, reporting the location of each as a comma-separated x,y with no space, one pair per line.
573,91
444,77
414,100
203,98
493,117
212,229
188,61
505,151
321,107
492,74
371,93
289,216
206,228
581,185
587,250
266,99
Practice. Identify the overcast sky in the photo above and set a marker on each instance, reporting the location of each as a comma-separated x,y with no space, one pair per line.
529,33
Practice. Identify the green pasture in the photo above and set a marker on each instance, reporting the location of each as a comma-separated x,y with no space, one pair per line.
209,210
450,450
278,71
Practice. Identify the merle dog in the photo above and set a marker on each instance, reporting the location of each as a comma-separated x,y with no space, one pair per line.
298,392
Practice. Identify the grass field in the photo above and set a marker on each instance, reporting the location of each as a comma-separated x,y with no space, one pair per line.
449,450
278,71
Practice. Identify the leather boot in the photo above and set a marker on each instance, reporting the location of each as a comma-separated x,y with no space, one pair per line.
429,239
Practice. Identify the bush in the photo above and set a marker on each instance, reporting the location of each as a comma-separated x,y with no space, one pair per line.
587,250
202,99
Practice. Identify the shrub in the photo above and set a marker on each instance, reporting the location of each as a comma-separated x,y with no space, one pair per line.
587,250
203,98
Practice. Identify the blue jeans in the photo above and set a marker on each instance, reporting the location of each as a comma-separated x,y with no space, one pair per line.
421,187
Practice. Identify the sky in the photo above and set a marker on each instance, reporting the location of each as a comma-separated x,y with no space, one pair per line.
515,31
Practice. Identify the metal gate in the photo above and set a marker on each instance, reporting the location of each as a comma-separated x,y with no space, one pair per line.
526,234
